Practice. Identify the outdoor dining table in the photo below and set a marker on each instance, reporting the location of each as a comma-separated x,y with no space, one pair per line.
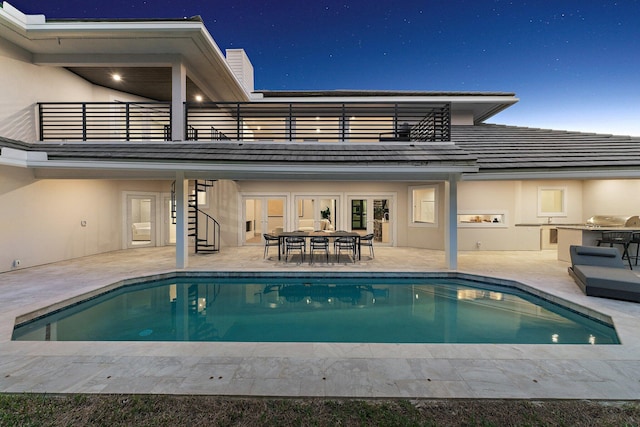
309,234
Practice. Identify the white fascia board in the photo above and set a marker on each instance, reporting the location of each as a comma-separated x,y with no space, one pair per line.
547,175
13,157
327,170
35,30
18,18
97,27
401,99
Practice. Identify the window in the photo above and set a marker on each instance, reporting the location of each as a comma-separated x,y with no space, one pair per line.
552,201
423,205
482,218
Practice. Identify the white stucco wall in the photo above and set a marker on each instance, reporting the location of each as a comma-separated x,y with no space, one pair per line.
488,197
611,197
40,220
519,200
528,203
461,118
224,208
426,237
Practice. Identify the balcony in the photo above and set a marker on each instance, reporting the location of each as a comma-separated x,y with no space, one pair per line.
250,122
105,121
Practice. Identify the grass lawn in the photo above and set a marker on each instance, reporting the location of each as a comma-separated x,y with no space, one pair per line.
154,410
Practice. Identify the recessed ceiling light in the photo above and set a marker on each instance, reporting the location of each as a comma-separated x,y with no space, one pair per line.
116,77
199,98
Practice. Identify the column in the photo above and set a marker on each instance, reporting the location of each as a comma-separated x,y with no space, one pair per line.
178,97
451,223
182,240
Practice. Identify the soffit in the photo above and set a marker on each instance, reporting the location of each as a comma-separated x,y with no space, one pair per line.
148,82
148,48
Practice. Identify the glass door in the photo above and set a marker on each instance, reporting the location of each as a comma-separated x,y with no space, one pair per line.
262,215
381,221
370,214
358,214
141,220
316,213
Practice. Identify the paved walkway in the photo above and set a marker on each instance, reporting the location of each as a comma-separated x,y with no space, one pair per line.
314,369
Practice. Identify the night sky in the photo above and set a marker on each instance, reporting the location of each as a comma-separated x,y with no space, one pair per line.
575,65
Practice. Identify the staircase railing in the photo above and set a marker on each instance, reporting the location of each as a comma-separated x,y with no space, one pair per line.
207,239
201,226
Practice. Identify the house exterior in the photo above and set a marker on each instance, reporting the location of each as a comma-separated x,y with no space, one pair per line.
112,132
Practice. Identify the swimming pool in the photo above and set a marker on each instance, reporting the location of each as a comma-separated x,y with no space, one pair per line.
317,308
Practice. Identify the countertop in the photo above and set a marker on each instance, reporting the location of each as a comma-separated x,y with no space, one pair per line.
597,228
546,224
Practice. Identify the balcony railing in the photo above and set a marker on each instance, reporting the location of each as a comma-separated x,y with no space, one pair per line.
251,121
105,121
314,121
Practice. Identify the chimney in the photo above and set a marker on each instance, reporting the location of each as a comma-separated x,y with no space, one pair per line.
241,67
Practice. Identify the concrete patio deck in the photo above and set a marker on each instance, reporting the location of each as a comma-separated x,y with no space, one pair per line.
314,369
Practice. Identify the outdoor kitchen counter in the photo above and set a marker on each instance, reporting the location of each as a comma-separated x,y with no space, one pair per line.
581,235
548,233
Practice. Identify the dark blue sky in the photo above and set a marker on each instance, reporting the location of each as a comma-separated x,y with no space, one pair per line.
574,64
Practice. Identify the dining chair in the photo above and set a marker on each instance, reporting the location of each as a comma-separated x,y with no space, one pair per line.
346,243
367,240
295,244
269,240
320,244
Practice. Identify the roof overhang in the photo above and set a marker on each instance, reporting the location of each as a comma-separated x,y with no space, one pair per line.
481,105
45,168
106,46
555,174
244,172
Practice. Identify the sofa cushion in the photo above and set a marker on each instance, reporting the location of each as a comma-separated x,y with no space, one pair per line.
608,282
596,251
595,255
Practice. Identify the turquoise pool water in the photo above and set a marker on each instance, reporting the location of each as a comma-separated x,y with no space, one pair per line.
281,309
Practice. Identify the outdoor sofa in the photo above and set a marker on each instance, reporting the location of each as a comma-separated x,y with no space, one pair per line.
601,272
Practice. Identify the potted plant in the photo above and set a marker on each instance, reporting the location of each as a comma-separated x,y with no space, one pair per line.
326,214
